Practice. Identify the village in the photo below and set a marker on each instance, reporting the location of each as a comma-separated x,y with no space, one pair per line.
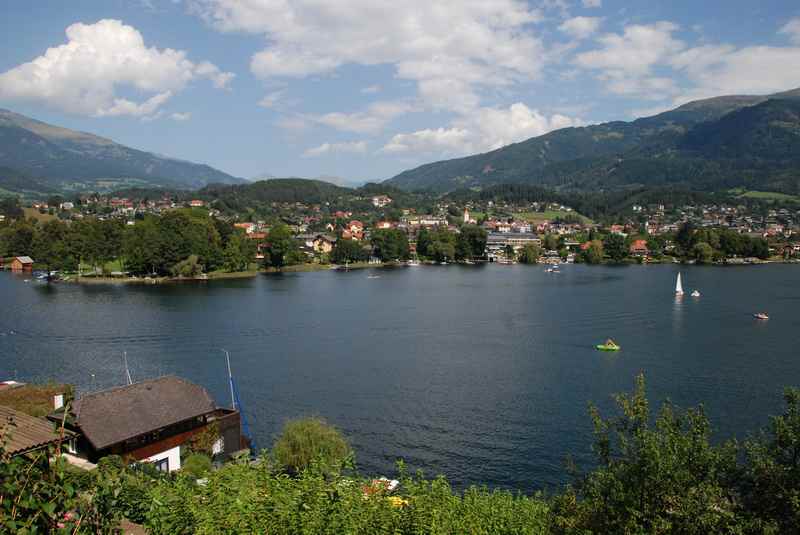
543,231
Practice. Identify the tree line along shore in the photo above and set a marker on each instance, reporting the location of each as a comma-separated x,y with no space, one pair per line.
194,244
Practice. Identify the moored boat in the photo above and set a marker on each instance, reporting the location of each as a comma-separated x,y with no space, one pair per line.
761,316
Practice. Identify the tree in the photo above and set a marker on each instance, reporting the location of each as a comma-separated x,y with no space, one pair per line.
772,477
308,440
280,244
442,251
550,242
594,253
390,244
703,253
188,268
685,236
530,254
239,252
424,241
614,246
10,207
665,477
50,246
471,242
509,252
142,247
345,251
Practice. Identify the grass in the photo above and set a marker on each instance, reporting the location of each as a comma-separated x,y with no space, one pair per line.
548,215
33,213
221,274
36,400
764,195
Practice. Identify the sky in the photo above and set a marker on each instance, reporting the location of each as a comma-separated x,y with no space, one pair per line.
364,89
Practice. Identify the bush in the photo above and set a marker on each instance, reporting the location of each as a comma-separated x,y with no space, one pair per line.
197,465
310,439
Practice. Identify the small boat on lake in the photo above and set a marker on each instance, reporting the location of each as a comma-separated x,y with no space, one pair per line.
609,345
696,293
761,316
678,286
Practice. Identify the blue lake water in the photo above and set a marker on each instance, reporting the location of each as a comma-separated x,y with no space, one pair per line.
481,373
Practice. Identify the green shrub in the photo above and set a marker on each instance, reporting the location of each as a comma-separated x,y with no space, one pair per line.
310,439
197,465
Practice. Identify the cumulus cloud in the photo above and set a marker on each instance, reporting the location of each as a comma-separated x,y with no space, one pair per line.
626,61
725,70
488,43
330,148
370,120
83,75
372,89
589,4
487,129
580,27
271,99
792,29
177,116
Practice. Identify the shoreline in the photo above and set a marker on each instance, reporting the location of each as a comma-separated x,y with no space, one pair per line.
311,268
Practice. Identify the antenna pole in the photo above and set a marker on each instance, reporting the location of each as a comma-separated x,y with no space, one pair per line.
230,377
127,371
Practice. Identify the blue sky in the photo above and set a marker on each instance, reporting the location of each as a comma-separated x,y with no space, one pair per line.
363,89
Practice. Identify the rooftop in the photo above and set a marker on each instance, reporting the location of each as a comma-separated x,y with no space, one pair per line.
113,416
24,433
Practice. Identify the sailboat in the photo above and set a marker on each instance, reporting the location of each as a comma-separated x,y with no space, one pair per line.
678,285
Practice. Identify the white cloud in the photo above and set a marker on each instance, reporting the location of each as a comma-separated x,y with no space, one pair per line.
353,147
370,90
626,61
792,29
589,4
271,99
446,140
371,120
83,75
725,70
486,129
580,27
181,116
488,43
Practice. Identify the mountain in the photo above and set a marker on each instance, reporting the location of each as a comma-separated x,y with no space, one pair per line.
283,190
67,159
712,143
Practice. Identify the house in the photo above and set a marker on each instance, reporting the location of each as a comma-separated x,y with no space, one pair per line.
22,264
324,244
196,203
248,228
379,201
150,421
639,248
24,434
382,225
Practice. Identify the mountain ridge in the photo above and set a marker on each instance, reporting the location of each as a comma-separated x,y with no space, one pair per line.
578,156
64,158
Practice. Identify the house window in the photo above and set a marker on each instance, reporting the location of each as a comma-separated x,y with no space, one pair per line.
162,465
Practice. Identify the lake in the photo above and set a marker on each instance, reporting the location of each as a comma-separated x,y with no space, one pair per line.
481,373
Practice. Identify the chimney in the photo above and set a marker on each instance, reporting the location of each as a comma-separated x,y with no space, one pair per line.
58,401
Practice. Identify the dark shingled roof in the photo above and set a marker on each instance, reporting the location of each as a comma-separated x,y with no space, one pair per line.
115,415
23,432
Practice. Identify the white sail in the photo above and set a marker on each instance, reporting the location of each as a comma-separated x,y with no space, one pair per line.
678,286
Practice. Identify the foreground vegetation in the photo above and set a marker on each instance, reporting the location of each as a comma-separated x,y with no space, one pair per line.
655,474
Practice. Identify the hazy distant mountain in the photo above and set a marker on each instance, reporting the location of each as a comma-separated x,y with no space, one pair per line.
262,176
741,140
66,159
